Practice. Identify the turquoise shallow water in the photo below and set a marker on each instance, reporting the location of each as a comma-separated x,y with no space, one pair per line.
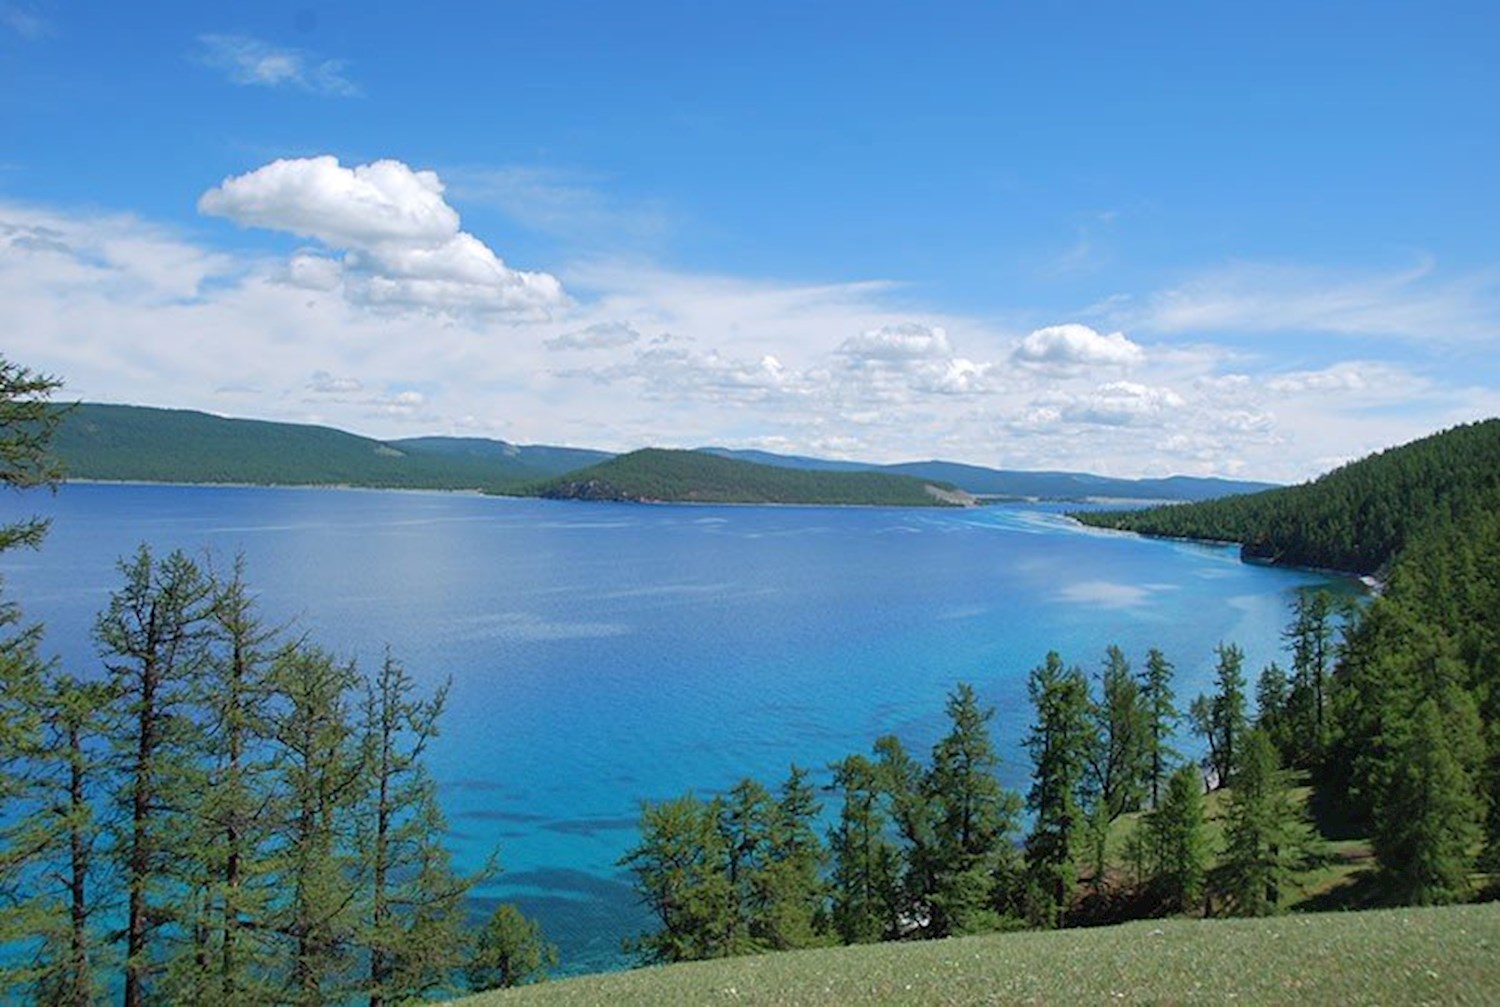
602,654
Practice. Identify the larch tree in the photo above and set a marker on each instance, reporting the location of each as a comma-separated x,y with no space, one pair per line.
153,637
1178,840
793,897
1059,742
974,819
1161,718
28,419
509,950
1265,841
680,873
866,876
1428,822
320,769
413,912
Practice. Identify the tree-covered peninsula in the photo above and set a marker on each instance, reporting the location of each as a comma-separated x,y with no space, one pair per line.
660,475
1357,518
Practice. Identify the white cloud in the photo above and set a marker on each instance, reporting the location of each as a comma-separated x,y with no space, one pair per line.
1075,346
895,361
1122,403
401,240
251,61
1255,297
126,310
903,342
562,204
600,336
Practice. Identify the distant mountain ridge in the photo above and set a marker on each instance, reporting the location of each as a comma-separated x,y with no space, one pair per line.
983,481
149,444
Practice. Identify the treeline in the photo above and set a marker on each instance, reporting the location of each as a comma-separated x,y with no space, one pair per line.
703,477
1406,742
227,815
1357,518
934,848
1415,754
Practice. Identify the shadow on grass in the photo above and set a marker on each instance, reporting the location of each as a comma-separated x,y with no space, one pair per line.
1362,890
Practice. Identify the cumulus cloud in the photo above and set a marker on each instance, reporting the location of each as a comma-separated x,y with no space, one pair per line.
252,61
907,341
895,360
599,336
401,243
1072,346
677,372
1122,403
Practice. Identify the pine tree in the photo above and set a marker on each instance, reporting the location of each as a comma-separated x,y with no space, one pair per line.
1058,743
792,897
1119,764
866,864
1273,713
154,638
911,809
680,868
1266,841
1179,841
509,950
414,900
68,770
1221,717
232,952
974,818
1161,718
1311,635
28,420
1427,824
320,769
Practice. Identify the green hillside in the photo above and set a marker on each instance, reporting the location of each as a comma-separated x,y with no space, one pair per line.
655,474
113,442
1405,956
1355,518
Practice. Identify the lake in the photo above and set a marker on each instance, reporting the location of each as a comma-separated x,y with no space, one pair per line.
601,654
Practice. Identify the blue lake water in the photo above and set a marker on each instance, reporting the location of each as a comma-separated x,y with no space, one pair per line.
601,654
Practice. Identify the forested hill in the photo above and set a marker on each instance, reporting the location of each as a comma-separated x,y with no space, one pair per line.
656,474
1357,518
138,443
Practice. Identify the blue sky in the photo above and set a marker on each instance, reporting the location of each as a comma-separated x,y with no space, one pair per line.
1132,238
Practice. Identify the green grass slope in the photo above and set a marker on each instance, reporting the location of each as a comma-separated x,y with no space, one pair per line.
656,474
1356,518
1445,955
137,443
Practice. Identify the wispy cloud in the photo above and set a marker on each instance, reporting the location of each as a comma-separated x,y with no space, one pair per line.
1409,304
25,22
252,61
561,204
